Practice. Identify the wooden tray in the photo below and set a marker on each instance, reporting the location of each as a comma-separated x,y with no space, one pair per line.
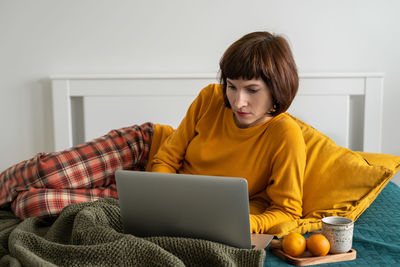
306,258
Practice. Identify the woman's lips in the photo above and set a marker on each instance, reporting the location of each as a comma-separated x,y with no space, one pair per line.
242,113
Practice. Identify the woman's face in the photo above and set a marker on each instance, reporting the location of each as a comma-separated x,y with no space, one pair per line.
250,101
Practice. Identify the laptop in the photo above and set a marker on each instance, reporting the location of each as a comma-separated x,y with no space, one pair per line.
212,208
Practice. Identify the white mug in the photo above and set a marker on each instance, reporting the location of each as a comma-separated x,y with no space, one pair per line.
339,232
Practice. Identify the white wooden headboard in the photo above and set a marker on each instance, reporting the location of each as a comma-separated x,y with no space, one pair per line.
345,106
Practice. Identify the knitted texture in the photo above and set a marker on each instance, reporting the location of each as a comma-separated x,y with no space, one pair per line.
91,234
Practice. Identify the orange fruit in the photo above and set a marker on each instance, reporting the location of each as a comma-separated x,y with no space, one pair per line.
294,244
318,245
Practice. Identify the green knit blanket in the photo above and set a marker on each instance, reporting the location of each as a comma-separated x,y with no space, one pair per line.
90,234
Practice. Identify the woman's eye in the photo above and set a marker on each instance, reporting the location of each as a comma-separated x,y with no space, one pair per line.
252,91
231,87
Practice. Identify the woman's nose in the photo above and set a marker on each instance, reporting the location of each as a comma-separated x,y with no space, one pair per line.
241,99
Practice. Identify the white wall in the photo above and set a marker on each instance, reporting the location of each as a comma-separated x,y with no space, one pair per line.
44,37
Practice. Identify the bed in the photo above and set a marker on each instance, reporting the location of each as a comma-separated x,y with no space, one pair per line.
345,106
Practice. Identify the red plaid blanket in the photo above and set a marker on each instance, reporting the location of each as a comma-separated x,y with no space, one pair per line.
43,185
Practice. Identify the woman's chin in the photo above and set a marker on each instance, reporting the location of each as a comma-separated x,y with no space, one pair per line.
248,122
243,123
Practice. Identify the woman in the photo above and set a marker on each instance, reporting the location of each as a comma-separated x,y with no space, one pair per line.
238,128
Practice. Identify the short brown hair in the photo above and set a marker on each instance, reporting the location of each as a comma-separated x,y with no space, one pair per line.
266,56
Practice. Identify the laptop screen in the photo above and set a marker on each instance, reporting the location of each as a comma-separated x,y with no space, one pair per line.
196,206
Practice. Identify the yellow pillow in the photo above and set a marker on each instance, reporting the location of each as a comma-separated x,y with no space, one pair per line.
161,132
337,181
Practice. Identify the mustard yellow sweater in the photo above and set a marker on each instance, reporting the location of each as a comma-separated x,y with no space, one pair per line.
271,156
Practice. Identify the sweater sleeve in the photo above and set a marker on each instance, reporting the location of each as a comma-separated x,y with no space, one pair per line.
284,192
171,154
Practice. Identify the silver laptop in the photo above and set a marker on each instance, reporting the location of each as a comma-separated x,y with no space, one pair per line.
195,206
